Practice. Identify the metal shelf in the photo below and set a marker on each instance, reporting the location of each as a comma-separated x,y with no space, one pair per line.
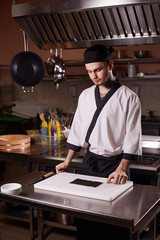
76,63
139,79
152,60
4,66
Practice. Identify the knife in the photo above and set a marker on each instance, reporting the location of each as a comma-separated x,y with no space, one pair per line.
45,176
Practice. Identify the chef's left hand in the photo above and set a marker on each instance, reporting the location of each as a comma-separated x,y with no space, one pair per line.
119,177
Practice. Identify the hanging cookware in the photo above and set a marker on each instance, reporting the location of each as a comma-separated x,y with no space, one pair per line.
27,68
55,66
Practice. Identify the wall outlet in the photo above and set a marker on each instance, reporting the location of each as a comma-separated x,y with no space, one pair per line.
137,89
73,91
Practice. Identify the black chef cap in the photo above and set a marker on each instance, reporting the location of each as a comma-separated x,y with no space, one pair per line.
98,53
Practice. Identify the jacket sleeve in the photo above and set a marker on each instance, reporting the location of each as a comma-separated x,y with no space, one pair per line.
132,147
73,141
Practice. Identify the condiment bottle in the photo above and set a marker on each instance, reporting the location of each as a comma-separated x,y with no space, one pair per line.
58,129
53,132
44,131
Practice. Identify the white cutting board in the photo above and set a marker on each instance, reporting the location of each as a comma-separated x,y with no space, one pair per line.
61,183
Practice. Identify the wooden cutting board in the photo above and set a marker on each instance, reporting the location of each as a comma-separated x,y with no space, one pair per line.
82,185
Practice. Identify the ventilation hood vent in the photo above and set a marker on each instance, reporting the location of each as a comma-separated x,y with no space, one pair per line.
79,23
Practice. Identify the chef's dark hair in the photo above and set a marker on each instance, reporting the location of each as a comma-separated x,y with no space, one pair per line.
98,53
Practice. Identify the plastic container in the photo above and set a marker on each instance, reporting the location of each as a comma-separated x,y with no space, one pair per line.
131,70
47,140
11,188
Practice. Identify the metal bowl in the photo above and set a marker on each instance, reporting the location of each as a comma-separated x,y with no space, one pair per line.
141,54
55,66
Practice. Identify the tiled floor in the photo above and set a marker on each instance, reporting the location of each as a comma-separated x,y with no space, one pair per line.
17,230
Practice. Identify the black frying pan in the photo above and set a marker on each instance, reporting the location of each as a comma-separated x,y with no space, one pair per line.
27,69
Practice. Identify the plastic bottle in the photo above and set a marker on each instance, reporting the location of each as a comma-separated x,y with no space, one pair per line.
58,128
53,132
44,131
49,130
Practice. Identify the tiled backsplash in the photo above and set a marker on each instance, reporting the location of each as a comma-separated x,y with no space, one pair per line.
46,94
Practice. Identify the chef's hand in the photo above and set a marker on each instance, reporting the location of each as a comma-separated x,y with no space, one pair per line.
119,176
64,165
61,167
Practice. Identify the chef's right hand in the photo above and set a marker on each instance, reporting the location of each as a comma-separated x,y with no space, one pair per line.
62,167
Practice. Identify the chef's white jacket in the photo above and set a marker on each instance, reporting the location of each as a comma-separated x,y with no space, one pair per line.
118,126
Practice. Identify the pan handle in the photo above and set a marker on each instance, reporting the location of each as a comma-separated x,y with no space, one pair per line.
25,41
56,52
61,52
26,89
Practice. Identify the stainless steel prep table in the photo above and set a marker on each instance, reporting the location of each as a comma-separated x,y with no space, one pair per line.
134,209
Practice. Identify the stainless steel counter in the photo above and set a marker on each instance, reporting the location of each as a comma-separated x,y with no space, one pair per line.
134,209
58,153
51,155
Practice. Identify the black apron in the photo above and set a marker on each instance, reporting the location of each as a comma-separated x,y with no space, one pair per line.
93,164
96,165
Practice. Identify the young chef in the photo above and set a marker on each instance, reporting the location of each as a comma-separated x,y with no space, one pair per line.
107,122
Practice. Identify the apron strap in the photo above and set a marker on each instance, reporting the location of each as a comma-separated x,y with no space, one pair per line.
99,109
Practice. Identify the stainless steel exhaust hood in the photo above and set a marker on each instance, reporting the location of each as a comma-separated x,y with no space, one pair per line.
80,23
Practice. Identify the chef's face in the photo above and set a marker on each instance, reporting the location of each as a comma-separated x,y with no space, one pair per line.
99,72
